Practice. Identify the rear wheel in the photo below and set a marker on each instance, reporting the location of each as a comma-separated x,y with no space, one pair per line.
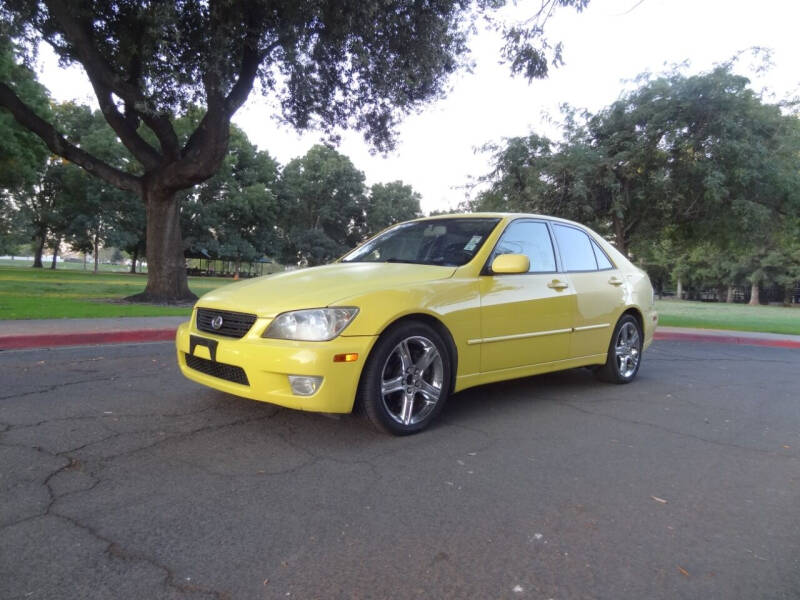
624,352
406,379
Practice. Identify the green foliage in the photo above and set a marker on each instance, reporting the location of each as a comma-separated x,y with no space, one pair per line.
22,154
311,213
355,64
233,215
695,176
390,203
322,199
352,63
70,205
14,230
518,177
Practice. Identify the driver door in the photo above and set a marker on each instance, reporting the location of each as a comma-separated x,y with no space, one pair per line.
526,318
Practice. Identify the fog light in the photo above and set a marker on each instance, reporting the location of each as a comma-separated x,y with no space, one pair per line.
303,385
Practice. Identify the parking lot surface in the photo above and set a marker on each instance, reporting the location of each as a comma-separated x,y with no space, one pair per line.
120,479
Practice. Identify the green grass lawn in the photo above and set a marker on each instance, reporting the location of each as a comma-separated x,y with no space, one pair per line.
27,293
739,317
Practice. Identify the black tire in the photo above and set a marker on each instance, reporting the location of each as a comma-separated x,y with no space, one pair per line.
622,366
409,364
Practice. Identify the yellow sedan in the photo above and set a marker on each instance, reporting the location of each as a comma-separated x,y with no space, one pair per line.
422,310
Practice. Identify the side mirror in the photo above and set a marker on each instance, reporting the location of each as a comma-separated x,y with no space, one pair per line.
511,263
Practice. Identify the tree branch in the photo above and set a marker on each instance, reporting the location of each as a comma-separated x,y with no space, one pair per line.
251,59
208,143
125,129
102,76
59,145
167,138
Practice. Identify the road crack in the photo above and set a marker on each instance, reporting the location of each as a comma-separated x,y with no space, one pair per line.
682,434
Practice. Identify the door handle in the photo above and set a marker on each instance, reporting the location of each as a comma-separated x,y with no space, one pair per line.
615,281
557,285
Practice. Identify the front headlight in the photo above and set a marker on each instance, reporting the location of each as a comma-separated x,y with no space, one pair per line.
311,325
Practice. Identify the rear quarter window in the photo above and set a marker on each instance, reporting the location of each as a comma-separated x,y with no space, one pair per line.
602,260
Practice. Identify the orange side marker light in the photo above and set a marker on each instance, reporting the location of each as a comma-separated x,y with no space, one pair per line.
349,357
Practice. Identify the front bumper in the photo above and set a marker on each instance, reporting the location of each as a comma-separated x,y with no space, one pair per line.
267,364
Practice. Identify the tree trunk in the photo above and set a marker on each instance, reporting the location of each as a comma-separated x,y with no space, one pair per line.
619,235
166,268
679,291
37,257
55,254
134,258
729,297
754,299
96,246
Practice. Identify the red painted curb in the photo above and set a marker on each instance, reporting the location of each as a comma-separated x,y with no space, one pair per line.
725,339
17,342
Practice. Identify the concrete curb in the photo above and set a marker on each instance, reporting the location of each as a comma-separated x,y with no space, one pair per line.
21,342
686,336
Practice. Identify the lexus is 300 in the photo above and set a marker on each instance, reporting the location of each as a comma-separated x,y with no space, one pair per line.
423,310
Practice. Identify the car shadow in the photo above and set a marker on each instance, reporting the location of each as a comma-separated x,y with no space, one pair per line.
513,394
352,433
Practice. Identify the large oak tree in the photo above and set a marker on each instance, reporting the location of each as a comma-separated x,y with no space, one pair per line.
325,63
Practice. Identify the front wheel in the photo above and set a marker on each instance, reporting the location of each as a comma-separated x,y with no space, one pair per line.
406,380
624,352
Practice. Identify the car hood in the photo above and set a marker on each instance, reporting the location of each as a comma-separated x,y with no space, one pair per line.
317,286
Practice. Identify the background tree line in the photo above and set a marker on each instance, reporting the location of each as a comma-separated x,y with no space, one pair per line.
697,178
307,212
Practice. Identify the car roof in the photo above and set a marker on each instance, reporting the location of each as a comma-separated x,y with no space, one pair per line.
498,215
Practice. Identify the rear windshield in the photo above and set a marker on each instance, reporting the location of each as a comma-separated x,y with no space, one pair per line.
446,242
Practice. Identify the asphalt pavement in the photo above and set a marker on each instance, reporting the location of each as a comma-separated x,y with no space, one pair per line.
120,479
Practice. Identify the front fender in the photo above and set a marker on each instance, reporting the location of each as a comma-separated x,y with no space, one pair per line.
453,302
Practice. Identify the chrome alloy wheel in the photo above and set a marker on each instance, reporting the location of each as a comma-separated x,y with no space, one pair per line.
628,350
411,380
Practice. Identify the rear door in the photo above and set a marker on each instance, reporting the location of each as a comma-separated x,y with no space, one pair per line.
526,318
599,290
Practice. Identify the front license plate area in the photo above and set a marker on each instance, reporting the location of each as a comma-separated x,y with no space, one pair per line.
203,347
202,352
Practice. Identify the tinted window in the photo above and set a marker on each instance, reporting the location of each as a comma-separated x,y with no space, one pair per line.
602,260
531,239
576,249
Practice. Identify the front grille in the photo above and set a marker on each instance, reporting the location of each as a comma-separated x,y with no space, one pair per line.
216,369
234,324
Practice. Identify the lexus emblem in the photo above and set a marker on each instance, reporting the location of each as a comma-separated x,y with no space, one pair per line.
216,323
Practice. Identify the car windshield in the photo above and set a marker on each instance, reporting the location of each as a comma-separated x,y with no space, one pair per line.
447,242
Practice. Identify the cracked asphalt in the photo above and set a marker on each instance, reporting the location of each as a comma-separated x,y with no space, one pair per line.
120,479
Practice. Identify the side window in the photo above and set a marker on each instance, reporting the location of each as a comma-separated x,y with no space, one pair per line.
532,239
602,260
576,249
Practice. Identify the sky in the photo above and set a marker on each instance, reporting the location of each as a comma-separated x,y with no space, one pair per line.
605,47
